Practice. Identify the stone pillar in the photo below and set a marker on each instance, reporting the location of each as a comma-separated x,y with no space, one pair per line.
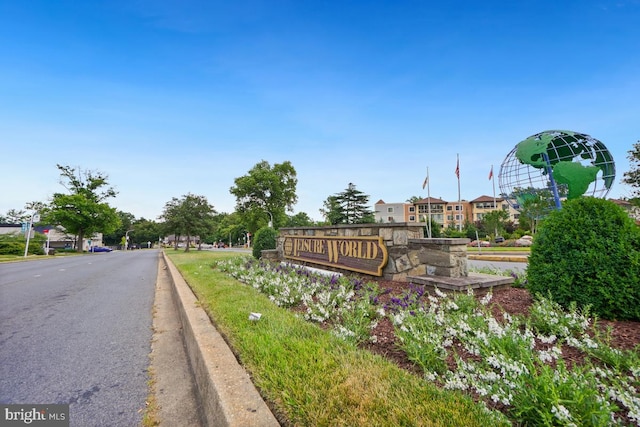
442,257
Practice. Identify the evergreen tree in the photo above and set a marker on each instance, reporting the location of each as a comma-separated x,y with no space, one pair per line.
348,207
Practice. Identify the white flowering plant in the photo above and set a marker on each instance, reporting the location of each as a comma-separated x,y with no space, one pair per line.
348,304
517,364
514,363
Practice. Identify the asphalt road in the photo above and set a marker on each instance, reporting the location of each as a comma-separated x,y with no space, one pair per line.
77,331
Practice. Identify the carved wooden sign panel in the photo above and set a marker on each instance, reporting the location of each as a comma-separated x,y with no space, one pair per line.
362,254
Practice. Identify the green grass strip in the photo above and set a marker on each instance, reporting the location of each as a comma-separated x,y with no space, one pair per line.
308,376
524,250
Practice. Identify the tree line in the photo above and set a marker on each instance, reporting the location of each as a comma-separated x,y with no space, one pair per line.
265,197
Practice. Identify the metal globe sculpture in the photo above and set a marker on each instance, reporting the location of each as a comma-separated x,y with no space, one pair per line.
554,165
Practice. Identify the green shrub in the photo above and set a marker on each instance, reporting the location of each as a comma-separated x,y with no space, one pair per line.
265,238
13,244
589,252
10,245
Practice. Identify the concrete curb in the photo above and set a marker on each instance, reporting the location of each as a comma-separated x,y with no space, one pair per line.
227,395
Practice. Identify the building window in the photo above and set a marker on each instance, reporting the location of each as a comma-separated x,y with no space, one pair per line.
448,208
390,210
412,218
390,219
412,208
484,205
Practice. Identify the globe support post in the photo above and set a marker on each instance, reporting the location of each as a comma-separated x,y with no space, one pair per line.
554,187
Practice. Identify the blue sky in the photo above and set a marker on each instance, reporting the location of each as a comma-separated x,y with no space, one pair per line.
176,97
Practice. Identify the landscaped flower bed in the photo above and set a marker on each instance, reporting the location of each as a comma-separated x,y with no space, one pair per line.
540,366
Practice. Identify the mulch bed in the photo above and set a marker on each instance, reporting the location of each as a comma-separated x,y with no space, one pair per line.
625,335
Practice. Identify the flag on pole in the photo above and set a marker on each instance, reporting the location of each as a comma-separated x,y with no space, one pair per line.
426,181
491,173
458,168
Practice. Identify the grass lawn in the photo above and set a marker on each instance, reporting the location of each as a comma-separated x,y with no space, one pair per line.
310,377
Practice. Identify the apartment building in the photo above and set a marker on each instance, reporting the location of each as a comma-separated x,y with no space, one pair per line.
452,214
446,214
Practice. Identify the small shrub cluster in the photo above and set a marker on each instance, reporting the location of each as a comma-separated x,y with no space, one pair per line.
588,252
265,238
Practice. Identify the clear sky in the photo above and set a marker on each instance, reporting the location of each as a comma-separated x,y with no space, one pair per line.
176,97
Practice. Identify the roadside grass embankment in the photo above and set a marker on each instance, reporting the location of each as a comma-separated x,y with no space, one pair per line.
310,377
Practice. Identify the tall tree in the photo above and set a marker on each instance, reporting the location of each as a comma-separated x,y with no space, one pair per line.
495,221
171,220
301,219
83,210
266,193
349,206
15,216
145,231
189,216
126,224
333,212
535,208
229,228
632,177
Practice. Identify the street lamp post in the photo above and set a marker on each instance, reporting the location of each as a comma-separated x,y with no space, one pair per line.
270,219
126,239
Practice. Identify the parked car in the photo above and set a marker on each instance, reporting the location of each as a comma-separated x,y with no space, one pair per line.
99,249
499,239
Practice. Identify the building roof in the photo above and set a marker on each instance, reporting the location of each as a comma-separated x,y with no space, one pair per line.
484,198
426,201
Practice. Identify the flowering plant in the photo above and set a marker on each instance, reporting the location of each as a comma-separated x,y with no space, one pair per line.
514,363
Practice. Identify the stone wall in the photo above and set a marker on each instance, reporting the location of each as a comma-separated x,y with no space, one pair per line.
409,253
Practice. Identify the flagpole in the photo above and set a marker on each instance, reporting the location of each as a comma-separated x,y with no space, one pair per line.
495,205
428,203
459,200
493,181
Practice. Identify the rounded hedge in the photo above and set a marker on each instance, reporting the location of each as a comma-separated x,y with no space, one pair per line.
265,238
589,252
